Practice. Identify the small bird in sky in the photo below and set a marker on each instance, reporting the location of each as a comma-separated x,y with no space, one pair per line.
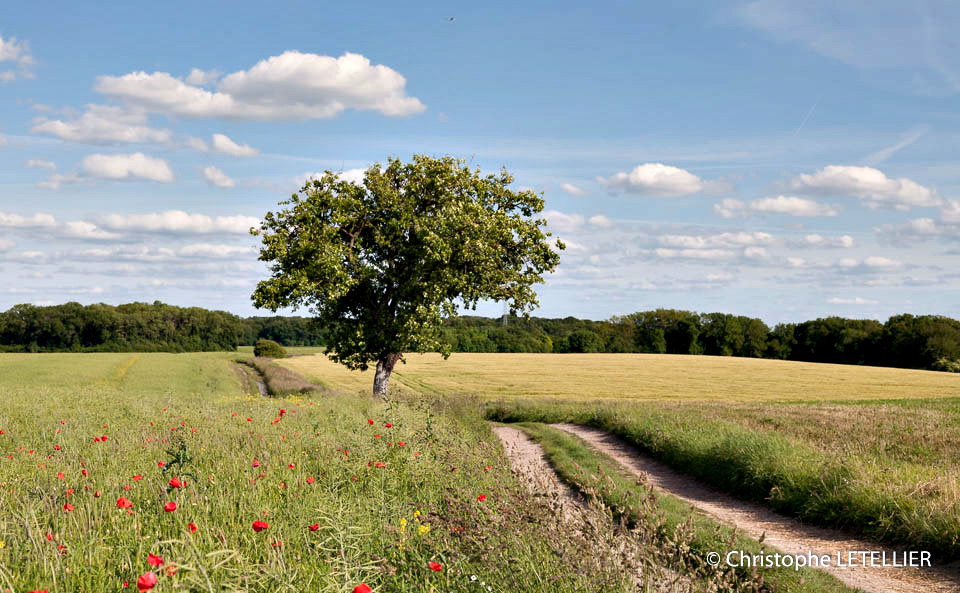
451,19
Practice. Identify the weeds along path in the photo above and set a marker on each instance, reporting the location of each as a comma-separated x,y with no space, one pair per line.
785,534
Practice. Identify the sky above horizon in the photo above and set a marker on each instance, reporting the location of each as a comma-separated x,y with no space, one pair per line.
775,159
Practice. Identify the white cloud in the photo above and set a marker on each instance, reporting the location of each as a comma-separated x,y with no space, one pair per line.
881,263
42,164
707,254
853,301
791,206
571,189
950,212
103,124
739,239
225,145
815,240
197,144
17,52
655,179
796,262
5,244
217,177
729,208
39,220
127,166
214,251
870,185
291,86
179,222
758,253
56,180
198,77
562,222
86,230
600,221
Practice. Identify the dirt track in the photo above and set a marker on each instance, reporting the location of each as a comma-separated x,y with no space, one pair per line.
787,535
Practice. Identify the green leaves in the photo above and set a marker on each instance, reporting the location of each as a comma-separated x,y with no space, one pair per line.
382,263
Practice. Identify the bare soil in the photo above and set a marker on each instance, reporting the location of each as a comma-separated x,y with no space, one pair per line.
787,535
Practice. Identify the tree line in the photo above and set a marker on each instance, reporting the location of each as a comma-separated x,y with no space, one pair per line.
907,341
142,327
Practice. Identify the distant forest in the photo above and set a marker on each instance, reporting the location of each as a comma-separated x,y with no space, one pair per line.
906,341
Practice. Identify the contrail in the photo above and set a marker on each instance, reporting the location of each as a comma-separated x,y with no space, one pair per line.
809,113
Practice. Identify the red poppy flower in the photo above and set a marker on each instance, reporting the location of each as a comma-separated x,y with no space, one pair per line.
435,566
147,581
192,527
362,588
401,444
282,412
249,419
381,464
83,472
370,421
310,480
96,494
255,462
482,497
314,527
292,465
160,464
104,438
154,560
175,482
170,506
124,503
59,475
68,507
388,425
259,526
376,436
57,447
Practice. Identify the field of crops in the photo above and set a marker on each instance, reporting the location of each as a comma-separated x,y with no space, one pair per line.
637,376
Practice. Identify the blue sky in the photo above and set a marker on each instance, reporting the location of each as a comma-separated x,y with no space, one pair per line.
775,159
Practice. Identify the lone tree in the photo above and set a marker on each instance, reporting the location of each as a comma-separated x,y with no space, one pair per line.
380,264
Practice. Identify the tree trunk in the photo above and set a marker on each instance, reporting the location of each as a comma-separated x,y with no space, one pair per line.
381,381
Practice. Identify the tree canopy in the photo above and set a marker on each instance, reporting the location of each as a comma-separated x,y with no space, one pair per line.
382,263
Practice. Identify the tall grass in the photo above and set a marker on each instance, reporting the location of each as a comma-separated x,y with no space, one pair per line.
281,381
882,498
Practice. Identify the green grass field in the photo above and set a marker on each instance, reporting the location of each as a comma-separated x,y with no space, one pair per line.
83,495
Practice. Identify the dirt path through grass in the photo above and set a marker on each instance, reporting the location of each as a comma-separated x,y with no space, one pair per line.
785,534
527,459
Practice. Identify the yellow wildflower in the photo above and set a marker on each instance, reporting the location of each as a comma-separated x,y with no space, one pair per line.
423,529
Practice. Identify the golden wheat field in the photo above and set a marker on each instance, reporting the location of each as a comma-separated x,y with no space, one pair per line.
636,376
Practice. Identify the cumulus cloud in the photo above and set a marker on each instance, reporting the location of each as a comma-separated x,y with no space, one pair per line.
870,185
197,144
815,240
39,220
198,77
17,52
851,301
756,253
291,86
215,251
739,239
872,264
704,254
5,244
655,179
792,206
789,205
225,145
216,177
571,189
122,167
600,221
56,180
563,222
104,124
87,230
179,222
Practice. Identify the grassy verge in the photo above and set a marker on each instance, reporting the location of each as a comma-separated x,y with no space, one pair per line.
346,501
820,475
281,381
663,517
